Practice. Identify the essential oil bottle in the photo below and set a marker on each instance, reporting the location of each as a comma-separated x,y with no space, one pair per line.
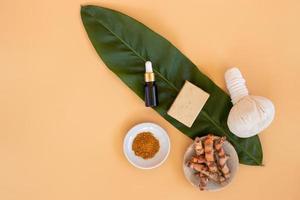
151,97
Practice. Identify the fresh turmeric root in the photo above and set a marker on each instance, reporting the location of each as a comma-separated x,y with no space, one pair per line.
198,159
209,153
210,160
203,181
204,170
197,167
198,146
222,157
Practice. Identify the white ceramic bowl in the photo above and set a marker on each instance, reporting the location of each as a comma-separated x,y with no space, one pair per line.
159,133
233,164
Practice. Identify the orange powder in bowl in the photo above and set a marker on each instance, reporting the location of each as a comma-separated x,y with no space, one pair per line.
145,145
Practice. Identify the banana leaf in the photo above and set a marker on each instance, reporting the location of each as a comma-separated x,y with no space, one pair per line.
124,44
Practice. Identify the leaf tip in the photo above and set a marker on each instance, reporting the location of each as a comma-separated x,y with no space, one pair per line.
85,7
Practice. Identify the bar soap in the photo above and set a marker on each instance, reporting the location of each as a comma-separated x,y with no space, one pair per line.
188,104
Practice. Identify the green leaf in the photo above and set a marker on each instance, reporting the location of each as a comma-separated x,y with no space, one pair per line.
124,45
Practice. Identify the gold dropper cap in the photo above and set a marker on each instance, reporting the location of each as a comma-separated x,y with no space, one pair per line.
149,75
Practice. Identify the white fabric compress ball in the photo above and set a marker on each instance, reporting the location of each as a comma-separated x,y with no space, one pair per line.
250,114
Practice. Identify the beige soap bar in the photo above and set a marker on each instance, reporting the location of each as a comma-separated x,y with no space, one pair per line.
188,104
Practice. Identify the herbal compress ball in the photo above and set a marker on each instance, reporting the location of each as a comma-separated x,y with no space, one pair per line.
250,114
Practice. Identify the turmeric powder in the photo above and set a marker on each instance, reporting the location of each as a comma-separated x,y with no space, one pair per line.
145,145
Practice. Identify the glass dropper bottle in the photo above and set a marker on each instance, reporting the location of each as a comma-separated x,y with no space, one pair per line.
151,97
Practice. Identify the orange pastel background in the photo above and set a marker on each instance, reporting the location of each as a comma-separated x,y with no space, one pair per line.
63,114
